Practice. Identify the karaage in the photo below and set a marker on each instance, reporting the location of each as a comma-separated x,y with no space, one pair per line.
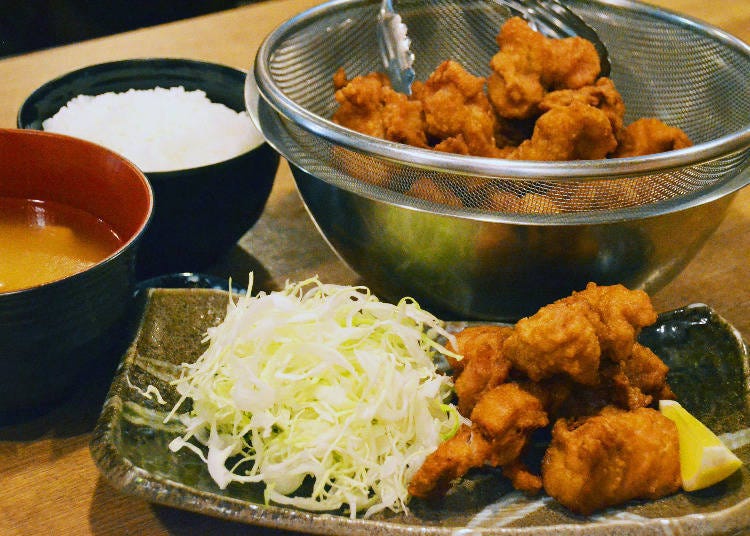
543,100
502,421
648,136
575,362
483,365
621,313
602,95
368,104
452,459
528,65
455,104
574,132
611,458
557,339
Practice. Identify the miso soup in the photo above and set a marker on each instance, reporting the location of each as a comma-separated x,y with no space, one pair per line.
42,241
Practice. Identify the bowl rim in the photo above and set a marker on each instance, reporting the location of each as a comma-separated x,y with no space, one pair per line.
125,246
486,166
51,86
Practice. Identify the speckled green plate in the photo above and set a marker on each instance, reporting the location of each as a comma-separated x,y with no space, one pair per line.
709,373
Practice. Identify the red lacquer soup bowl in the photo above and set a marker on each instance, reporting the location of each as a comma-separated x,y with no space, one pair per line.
52,326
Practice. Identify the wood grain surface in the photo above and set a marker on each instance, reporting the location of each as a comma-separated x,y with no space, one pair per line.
48,482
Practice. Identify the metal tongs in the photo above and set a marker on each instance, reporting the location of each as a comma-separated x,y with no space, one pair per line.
549,17
395,48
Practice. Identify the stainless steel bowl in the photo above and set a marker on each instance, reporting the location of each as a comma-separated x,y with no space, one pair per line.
639,223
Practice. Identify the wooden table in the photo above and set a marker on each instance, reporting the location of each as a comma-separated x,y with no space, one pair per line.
48,482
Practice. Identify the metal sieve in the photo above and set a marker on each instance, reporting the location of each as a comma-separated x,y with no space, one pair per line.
682,71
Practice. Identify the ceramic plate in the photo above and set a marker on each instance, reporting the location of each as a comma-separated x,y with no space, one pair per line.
709,373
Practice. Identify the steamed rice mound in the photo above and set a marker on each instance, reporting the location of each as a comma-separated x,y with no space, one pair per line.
160,129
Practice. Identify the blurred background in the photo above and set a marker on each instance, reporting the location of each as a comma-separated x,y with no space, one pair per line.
29,25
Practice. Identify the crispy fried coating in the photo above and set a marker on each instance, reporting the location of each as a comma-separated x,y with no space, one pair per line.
452,459
611,458
554,394
454,104
570,63
557,339
647,372
506,415
648,136
368,104
639,380
574,132
575,362
621,312
543,100
522,478
483,365
570,336
621,384
528,65
502,421
602,95
515,85
646,376
455,144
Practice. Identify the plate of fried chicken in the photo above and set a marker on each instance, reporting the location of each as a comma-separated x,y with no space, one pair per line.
576,373
559,433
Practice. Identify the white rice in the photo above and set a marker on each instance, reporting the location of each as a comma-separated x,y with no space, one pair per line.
158,129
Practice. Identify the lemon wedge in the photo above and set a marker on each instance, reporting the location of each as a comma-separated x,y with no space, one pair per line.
704,459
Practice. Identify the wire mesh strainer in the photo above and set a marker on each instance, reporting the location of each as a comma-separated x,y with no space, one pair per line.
666,66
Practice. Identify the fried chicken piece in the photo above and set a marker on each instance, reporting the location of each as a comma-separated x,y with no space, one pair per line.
502,421
621,314
615,388
648,372
452,459
554,394
648,136
640,380
611,458
602,95
558,339
628,374
623,391
571,335
576,361
528,65
570,63
574,132
506,415
515,85
368,104
455,144
521,478
483,365
454,103
339,79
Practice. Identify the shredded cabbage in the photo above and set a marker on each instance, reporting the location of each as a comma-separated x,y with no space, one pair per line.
322,392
